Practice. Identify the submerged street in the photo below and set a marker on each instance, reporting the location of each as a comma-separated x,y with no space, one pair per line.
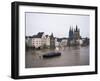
70,56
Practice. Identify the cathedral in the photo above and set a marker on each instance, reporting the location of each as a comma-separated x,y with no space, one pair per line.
74,36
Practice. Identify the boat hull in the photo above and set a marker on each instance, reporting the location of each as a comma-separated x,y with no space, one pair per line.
49,55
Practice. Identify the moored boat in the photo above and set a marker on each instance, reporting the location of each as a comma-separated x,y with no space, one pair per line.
51,54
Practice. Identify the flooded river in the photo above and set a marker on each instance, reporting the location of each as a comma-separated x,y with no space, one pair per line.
70,56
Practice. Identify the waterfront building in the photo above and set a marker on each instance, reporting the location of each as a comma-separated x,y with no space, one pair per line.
47,41
57,42
60,42
63,42
28,41
52,41
38,41
85,42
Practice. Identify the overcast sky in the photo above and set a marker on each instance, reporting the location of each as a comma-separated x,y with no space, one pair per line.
58,24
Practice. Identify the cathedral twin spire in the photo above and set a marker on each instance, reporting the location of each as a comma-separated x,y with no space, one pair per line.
74,33
73,30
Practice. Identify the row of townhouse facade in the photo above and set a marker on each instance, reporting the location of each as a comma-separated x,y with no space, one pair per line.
40,40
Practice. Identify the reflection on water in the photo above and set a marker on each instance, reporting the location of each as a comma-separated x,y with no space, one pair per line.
70,56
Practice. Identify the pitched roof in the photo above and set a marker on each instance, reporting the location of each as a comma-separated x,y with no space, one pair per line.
39,35
28,36
47,36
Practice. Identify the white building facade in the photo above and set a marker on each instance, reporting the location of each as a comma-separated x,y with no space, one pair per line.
36,42
47,41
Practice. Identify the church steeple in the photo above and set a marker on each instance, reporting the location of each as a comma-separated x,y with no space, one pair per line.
74,36
76,28
74,33
51,34
71,33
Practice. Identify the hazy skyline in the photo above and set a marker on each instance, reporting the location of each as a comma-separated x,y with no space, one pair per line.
58,24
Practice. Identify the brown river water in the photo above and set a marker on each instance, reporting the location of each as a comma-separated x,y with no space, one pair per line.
70,56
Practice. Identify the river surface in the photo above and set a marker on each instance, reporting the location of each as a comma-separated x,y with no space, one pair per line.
70,56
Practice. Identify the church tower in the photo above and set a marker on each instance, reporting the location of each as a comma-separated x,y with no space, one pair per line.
74,36
76,33
71,34
52,41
